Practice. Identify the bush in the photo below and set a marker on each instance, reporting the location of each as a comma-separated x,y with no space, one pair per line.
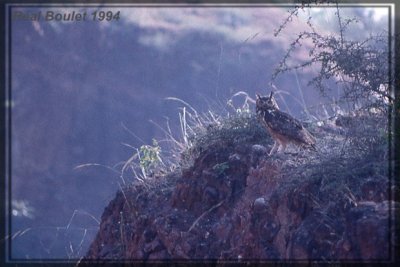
360,67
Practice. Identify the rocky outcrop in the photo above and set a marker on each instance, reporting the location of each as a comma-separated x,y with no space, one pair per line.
237,203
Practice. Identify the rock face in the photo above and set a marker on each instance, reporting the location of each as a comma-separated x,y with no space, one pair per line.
234,211
237,203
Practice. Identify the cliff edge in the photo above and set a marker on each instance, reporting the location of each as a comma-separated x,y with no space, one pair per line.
234,202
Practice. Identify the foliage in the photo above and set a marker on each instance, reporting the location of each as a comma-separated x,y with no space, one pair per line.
144,162
198,133
360,67
150,156
342,166
242,126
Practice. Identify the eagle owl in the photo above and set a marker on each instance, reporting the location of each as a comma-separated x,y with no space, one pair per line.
282,127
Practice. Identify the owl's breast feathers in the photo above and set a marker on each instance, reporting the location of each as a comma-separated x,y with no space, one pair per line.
285,128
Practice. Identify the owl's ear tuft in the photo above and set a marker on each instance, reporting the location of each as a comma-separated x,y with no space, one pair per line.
272,93
258,96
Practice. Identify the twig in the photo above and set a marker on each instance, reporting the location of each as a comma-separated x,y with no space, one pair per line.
205,213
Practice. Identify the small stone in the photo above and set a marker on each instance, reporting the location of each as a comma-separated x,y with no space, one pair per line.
259,201
259,204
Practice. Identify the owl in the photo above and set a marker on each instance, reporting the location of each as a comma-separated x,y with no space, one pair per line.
282,127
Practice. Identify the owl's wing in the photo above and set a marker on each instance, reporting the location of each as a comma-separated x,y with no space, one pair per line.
284,124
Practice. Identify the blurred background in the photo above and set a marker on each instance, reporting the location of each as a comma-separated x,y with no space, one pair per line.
90,92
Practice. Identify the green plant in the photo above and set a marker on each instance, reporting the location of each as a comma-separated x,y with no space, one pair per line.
149,156
145,162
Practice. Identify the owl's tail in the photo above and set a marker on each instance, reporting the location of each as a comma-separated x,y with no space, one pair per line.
311,141
313,147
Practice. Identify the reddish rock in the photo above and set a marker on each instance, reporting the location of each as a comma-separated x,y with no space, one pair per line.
241,205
